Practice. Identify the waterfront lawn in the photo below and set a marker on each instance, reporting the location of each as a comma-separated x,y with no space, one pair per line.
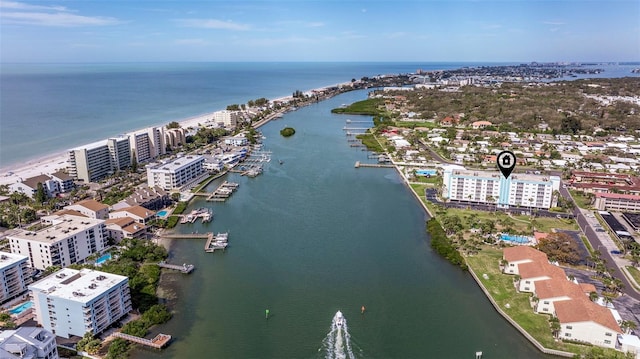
502,289
370,142
369,106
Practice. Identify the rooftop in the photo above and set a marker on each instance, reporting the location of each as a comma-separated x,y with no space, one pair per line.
176,164
518,253
92,205
138,211
61,227
77,285
583,310
8,259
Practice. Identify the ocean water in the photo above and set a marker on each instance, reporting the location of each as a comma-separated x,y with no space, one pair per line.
49,108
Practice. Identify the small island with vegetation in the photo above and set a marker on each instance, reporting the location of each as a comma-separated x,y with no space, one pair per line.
287,131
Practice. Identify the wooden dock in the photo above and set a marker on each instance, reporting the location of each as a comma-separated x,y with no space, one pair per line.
223,192
185,268
213,238
373,165
187,236
159,342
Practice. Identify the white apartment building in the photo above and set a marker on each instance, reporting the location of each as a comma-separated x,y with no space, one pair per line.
64,240
519,190
227,118
14,275
175,174
147,144
28,343
74,302
97,160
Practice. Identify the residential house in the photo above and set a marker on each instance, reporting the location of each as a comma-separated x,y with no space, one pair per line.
90,208
585,321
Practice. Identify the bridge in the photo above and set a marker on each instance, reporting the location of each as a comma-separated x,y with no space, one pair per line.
159,342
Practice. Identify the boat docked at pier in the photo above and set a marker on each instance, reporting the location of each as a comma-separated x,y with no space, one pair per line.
217,241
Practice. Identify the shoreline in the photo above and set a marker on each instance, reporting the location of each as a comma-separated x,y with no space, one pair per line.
57,161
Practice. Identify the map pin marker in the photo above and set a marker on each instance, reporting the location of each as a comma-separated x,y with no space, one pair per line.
506,162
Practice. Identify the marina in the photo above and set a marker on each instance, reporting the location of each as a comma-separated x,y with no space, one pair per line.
223,192
218,241
205,213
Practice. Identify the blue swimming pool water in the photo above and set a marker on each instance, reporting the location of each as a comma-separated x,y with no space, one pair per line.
515,238
103,259
21,308
426,172
162,213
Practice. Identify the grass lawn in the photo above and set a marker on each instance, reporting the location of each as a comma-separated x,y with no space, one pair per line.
581,200
635,273
430,180
502,289
412,124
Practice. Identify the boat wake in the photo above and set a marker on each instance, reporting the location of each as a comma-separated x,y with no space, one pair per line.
337,343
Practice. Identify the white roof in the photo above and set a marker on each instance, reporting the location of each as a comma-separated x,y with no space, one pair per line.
629,340
78,285
8,259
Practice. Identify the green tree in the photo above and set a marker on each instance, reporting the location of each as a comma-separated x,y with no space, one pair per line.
173,124
41,195
560,247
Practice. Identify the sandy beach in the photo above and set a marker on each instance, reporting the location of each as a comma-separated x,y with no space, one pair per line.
58,161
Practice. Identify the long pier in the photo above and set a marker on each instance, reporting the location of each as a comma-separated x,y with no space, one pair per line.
345,128
185,268
159,342
373,165
187,236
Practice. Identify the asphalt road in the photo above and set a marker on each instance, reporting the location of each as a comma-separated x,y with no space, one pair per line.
595,242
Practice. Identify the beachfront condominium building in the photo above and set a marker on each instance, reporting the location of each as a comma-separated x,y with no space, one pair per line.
60,241
175,137
175,174
227,118
97,160
14,275
28,343
74,302
147,144
519,190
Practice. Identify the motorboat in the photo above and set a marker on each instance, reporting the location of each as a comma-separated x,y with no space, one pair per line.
339,320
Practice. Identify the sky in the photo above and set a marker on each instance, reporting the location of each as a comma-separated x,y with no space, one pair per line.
319,30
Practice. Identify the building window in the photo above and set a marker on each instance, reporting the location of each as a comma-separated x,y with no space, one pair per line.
607,341
608,334
546,302
569,327
568,335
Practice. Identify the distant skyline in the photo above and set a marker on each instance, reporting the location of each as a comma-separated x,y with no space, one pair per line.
324,30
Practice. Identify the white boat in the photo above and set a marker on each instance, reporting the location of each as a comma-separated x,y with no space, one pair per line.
339,320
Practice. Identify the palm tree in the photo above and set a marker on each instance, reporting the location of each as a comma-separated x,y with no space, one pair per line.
554,322
628,326
593,296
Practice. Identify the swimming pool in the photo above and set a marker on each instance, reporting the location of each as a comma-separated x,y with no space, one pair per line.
162,213
21,308
515,239
103,259
426,172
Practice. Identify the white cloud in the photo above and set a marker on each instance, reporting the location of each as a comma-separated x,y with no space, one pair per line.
59,19
213,24
28,7
41,15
